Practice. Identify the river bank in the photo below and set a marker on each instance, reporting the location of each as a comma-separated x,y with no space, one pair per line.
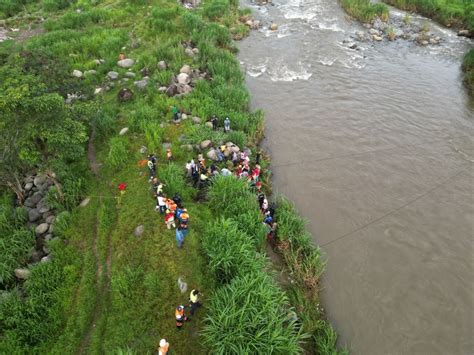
113,275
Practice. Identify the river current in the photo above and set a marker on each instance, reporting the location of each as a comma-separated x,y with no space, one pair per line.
375,146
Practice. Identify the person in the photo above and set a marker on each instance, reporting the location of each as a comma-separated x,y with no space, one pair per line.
214,122
203,178
180,317
264,205
194,301
184,218
152,158
177,200
179,237
257,157
169,219
164,347
195,176
226,172
161,203
156,187
169,154
227,125
174,110
151,170
261,198
189,169
235,158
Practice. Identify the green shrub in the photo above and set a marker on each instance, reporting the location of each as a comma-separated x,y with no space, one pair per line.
250,316
55,5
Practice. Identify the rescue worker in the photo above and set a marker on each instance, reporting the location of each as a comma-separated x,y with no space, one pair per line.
227,125
180,317
194,301
161,203
169,219
214,122
151,170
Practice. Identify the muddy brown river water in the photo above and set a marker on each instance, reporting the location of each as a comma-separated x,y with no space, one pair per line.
375,146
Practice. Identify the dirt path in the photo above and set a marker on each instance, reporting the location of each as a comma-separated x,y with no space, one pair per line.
91,154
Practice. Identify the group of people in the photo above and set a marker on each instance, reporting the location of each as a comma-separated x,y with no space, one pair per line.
215,124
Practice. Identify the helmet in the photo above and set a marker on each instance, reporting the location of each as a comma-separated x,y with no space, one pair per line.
180,308
162,342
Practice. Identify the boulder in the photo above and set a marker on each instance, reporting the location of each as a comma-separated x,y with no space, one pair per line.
184,89
77,73
235,149
85,202
33,215
139,231
142,84
33,200
28,186
183,78
208,124
172,90
123,131
22,274
212,154
40,180
112,75
126,63
50,219
41,229
189,52
185,69
125,95
161,65
196,120
44,209
130,74
205,144
196,50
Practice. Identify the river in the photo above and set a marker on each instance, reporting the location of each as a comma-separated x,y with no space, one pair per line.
375,147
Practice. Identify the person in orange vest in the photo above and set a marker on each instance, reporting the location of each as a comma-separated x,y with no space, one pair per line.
164,347
180,317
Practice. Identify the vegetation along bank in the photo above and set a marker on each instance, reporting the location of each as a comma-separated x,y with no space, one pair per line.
89,89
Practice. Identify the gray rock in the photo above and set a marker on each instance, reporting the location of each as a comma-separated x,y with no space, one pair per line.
377,38
166,145
46,259
184,89
33,215
183,78
77,73
44,209
51,229
196,50
50,219
48,237
22,274
28,186
126,63
172,90
464,33
185,69
183,286
162,89
29,179
46,249
212,154
48,214
141,84
130,74
187,147
98,91
209,124
424,43
184,116
161,65
123,131
139,231
33,200
189,52
41,229
90,72
374,32
235,149
205,144
196,120
112,75
40,180
36,256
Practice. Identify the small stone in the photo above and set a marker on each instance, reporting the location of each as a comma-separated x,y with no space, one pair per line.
130,74
44,209
112,75
185,69
196,120
77,73
183,78
274,27
464,33
184,116
196,50
424,43
33,215
205,144
161,65
85,202
22,274
139,231
41,229
123,131
141,84
377,38
97,91
166,145
374,32
209,124
28,186
50,219
183,286
162,89
40,180
189,52
46,259
90,72
126,63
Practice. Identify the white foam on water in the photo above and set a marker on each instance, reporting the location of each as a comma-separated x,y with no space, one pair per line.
281,72
327,27
257,70
296,10
327,61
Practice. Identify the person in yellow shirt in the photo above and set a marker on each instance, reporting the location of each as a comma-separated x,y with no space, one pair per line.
194,303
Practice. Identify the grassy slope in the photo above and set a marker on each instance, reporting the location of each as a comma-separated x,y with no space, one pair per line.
120,291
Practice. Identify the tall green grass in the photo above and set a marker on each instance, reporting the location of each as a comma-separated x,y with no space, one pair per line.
365,10
468,68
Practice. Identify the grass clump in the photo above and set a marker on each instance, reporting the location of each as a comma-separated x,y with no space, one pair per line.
468,68
365,10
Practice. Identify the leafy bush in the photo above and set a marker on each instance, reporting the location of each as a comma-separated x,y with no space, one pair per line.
250,316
